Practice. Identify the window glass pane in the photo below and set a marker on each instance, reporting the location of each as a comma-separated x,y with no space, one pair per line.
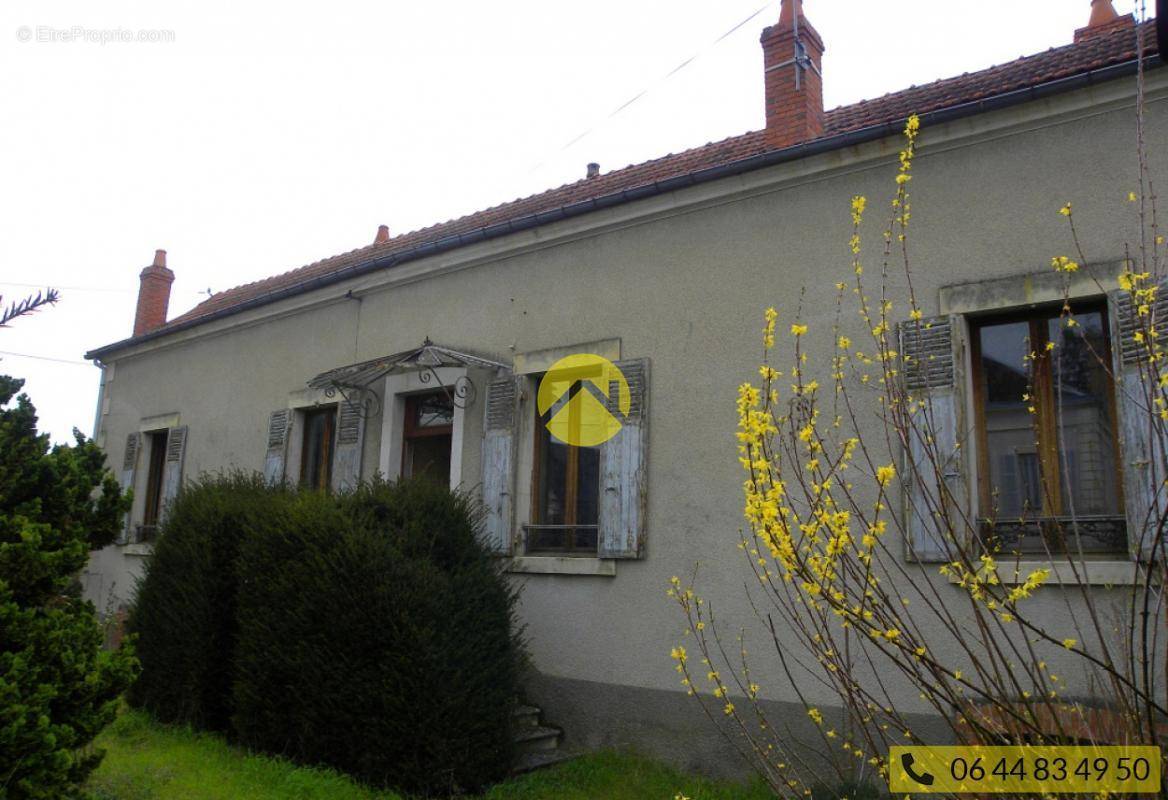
1086,426
316,455
157,441
588,486
1014,466
434,410
428,458
553,482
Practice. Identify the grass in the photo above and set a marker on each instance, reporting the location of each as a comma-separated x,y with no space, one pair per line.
148,761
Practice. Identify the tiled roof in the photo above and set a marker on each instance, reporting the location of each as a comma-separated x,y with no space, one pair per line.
1096,52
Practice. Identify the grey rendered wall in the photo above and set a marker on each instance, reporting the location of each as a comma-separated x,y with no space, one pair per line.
686,289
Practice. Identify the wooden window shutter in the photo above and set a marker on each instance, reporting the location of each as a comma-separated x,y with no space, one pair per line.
499,462
172,469
623,469
1141,432
279,433
935,480
129,470
349,444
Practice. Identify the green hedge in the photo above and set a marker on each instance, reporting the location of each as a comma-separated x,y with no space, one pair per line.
371,632
185,608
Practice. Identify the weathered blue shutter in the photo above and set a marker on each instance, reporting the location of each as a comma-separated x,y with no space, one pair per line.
279,431
129,470
172,468
499,462
934,475
624,477
1141,431
350,438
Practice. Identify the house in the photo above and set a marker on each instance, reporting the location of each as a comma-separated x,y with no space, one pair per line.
422,352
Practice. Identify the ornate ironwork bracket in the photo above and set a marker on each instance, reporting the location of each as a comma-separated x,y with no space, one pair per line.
367,407
464,391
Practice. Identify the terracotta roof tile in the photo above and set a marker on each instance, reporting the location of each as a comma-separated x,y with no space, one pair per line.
1061,62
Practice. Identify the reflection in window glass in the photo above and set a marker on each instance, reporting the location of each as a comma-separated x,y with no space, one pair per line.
1015,473
1083,393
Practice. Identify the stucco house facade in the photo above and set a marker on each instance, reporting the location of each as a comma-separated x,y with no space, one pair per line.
421,353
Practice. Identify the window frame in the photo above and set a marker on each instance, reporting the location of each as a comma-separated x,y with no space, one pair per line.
328,448
155,477
1046,427
541,436
411,431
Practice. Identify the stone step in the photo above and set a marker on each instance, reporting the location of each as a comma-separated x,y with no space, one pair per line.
525,717
539,759
539,738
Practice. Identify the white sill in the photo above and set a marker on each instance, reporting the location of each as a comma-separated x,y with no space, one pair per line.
137,549
562,565
1090,573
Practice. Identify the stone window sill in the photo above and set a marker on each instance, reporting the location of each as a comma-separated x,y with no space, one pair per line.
1090,573
560,565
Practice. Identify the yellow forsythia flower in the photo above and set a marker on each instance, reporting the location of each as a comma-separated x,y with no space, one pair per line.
1065,210
798,330
1069,643
885,474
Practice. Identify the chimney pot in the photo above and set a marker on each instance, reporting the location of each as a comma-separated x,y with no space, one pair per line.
382,234
1104,19
153,295
593,170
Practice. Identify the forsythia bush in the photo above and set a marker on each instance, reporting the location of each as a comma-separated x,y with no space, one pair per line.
370,632
58,687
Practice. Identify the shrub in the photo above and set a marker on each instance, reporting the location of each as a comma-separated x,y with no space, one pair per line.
376,636
184,615
57,686
371,632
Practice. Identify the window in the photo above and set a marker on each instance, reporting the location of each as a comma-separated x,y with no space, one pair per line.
565,510
427,437
1049,471
156,447
316,455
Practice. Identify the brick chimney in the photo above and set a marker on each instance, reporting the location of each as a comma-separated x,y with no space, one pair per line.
153,295
382,235
1104,19
792,54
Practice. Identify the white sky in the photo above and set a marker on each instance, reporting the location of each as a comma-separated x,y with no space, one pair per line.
269,135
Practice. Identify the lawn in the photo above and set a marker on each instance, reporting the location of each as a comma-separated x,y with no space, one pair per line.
148,761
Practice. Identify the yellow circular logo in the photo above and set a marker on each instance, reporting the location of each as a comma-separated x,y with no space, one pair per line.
568,398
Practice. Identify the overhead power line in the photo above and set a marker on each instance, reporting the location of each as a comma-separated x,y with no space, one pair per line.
90,288
685,63
46,358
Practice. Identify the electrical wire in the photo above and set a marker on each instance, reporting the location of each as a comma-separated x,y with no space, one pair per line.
54,285
47,358
69,288
653,85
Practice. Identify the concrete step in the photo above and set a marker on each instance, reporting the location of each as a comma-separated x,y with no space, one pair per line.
525,717
537,739
539,759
